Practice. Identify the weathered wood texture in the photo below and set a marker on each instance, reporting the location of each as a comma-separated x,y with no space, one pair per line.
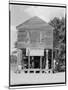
35,33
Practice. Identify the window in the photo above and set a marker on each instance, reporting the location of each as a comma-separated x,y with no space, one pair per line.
42,36
34,36
23,36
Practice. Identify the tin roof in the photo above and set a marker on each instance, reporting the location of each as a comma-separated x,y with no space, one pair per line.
34,23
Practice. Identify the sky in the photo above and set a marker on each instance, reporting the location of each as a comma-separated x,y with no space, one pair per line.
21,13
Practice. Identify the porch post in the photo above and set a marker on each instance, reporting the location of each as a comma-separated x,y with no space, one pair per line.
19,58
28,59
52,62
22,59
46,59
40,62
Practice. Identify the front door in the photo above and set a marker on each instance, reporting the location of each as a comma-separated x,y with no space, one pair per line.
34,62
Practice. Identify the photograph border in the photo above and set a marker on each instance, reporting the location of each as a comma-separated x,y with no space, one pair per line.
40,4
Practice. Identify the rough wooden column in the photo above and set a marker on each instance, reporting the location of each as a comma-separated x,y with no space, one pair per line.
22,59
40,62
52,62
28,59
46,59
33,63
19,58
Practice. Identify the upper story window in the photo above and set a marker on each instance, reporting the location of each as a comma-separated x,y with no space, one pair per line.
42,36
34,36
23,36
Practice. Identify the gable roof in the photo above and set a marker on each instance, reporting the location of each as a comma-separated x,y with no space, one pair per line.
34,23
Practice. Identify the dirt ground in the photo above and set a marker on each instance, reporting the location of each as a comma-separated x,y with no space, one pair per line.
35,78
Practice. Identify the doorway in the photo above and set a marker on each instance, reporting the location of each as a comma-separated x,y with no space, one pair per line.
35,62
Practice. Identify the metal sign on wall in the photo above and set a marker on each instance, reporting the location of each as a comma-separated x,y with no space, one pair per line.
34,52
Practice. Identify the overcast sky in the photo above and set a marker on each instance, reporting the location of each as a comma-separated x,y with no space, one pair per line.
20,13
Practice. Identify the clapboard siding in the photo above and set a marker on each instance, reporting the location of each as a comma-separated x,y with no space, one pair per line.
35,33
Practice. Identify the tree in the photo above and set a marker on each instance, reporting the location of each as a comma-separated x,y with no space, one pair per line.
59,38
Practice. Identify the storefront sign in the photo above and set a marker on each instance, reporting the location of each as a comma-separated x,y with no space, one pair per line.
34,52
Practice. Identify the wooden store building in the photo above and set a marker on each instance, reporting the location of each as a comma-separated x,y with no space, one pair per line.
35,45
